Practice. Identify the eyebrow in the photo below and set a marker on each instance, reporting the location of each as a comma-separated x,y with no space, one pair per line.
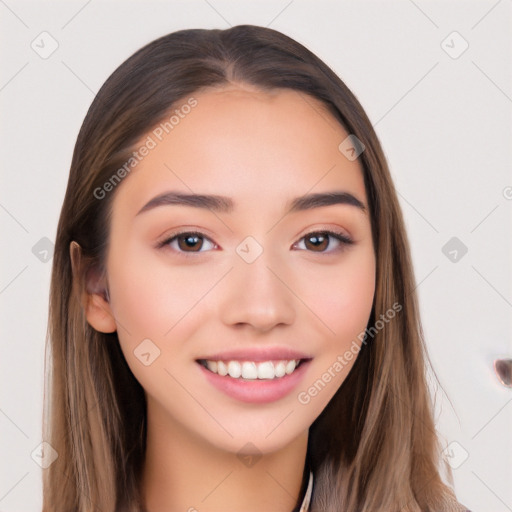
226,205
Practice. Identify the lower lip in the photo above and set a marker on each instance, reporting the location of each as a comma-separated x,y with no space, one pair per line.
256,391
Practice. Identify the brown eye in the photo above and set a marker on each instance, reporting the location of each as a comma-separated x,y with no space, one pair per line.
188,242
317,242
320,241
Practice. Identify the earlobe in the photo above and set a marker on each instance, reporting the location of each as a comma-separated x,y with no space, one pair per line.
98,313
91,287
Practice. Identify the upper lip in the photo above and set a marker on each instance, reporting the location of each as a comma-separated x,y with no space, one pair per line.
257,354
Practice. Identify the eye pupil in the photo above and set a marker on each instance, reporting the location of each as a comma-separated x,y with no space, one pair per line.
318,241
189,242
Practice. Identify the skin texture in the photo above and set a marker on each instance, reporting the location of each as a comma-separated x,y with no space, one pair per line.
261,149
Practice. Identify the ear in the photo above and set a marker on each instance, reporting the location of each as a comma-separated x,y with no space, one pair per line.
91,285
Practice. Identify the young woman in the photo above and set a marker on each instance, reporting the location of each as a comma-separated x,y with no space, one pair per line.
233,322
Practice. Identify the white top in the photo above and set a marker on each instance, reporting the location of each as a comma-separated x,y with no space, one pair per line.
307,498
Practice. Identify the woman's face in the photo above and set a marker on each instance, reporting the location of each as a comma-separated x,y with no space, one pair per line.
243,280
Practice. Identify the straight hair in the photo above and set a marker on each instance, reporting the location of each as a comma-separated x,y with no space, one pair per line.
374,447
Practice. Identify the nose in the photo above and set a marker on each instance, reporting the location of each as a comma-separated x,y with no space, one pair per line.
257,295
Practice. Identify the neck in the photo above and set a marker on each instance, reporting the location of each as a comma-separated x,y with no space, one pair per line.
186,473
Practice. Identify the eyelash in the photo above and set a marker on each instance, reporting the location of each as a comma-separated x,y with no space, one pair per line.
340,237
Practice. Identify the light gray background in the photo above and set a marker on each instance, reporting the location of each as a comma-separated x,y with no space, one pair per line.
445,125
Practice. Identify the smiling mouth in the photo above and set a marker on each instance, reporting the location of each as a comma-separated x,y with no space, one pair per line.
253,370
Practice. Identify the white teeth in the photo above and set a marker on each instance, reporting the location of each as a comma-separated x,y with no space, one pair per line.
251,370
266,370
212,366
280,369
234,369
222,369
290,366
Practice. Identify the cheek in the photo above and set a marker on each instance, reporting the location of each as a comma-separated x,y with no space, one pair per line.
342,296
150,298
343,300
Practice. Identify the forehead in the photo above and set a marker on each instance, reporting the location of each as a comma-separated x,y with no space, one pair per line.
246,143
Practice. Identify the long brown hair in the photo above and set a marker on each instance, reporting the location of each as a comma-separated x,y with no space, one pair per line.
374,447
